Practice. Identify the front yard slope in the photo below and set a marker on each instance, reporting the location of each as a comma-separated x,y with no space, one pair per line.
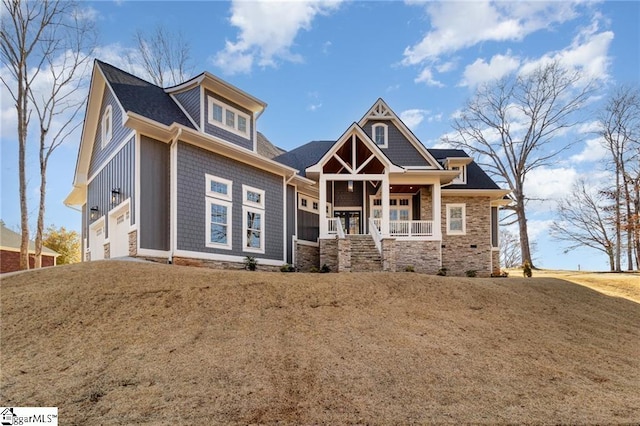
126,342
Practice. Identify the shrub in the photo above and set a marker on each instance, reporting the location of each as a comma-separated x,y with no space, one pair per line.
471,273
287,268
501,274
526,270
442,272
409,268
325,269
313,269
250,263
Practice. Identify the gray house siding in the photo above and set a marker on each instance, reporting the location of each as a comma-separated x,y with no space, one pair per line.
119,132
190,101
291,221
192,164
308,226
399,150
154,194
118,173
222,133
344,198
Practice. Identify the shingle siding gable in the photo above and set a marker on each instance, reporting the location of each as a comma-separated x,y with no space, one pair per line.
225,134
399,150
119,132
190,101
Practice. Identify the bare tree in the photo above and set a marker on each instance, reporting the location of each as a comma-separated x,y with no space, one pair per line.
620,131
23,46
57,107
34,35
509,249
165,56
511,126
583,221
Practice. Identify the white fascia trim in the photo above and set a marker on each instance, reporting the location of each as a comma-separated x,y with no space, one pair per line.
225,257
386,134
126,140
136,186
498,193
17,250
307,243
189,84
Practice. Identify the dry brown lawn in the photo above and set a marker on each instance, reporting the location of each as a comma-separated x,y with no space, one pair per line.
138,343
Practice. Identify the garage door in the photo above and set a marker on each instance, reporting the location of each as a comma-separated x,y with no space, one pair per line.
119,233
96,240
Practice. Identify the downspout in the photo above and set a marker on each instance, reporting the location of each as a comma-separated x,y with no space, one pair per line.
173,221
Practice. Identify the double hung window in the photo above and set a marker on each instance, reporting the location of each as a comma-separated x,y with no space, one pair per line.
253,213
218,212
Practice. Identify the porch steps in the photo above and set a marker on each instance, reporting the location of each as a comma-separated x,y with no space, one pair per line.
364,254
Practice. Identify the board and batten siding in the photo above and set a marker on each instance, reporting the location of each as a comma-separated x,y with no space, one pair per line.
399,150
308,226
190,101
118,173
192,165
221,132
153,229
119,132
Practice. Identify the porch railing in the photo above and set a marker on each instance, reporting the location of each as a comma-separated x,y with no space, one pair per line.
408,228
335,227
375,234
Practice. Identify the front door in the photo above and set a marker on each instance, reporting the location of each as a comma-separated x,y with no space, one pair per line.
350,220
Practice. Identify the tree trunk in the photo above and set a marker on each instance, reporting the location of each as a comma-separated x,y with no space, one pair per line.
630,225
618,219
40,223
525,248
22,103
612,264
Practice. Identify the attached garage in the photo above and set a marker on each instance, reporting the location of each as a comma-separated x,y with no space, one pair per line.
119,232
96,240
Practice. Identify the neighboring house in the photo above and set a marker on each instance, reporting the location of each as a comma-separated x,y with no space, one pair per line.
10,251
182,174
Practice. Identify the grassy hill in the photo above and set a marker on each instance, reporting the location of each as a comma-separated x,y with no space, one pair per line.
127,342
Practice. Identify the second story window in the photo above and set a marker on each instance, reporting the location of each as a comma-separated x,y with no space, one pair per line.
462,177
107,126
228,118
380,133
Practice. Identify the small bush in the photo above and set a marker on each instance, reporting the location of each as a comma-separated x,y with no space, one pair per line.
501,274
471,273
442,272
526,270
325,269
287,268
409,268
250,263
313,269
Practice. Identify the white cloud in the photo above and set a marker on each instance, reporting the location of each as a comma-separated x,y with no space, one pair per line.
267,31
537,227
426,76
481,71
588,53
446,67
458,25
546,183
314,107
593,151
413,117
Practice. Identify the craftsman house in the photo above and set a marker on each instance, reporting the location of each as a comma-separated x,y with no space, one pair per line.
181,174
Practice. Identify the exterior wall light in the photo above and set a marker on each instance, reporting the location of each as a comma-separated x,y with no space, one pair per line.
94,212
350,186
115,196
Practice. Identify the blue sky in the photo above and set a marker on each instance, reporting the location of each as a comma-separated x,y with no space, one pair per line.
321,64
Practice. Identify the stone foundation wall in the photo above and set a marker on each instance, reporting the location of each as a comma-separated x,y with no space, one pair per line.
107,251
426,204
344,255
471,251
307,257
389,254
133,243
216,264
329,253
423,256
495,262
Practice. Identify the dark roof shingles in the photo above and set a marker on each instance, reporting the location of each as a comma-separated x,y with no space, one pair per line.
305,155
142,97
476,177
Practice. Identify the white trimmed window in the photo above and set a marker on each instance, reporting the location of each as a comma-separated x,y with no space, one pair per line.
253,202
218,212
107,126
228,118
456,219
462,177
399,207
380,133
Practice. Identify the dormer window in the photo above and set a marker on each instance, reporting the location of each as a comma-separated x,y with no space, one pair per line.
107,126
462,177
380,133
228,118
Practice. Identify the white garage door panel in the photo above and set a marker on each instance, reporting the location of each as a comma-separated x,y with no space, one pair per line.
96,242
119,234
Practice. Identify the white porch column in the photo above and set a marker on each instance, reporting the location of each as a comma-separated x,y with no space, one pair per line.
384,227
437,211
322,208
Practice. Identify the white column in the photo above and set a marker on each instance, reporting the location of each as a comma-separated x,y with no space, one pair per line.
322,208
437,211
384,227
